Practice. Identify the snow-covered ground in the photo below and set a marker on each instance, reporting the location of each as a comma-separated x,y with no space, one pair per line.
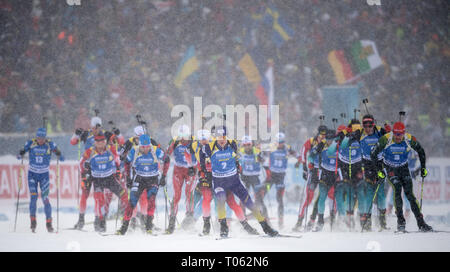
189,241
437,215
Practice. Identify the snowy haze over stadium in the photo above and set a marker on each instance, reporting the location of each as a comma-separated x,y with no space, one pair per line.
125,58
65,59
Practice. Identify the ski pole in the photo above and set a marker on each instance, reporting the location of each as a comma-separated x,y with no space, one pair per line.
421,195
307,205
268,186
78,175
171,204
57,195
350,192
18,194
334,209
166,213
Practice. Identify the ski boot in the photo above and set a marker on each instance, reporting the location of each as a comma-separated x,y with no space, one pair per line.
33,223
369,223
298,225
133,223
310,224
123,229
268,229
365,222
97,224
206,225
423,227
142,221
223,228
248,228
48,224
102,225
149,224
382,219
188,221
401,223
320,223
171,226
80,224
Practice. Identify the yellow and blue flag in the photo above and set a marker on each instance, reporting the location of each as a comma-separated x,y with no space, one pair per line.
189,64
282,32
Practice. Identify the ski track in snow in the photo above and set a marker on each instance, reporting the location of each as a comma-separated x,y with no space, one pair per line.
190,241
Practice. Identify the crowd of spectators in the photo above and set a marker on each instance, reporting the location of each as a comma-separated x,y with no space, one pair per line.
121,57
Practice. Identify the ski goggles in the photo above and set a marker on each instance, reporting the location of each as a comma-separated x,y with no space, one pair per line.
399,133
368,123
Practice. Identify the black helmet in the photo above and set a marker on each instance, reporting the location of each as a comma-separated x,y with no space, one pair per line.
322,129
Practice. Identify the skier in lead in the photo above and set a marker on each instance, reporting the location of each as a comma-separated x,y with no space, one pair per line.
395,146
144,163
131,143
40,150
350,164
222,153
369,138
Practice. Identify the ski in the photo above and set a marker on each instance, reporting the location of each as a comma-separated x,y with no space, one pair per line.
108,234
223,238
75,229
281,236
418,231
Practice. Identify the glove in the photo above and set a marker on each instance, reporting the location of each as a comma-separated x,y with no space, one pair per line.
423,172
61,158
297,164
117,175
191,171
21,153
162,181
78,131
381,175
305,175
238,167
129,182
320,146
84,181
